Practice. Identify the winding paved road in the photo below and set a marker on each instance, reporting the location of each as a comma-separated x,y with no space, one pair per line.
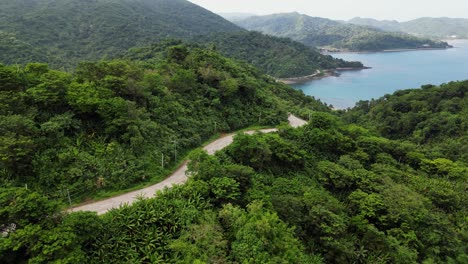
178,177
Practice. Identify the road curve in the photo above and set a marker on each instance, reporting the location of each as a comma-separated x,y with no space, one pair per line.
178,177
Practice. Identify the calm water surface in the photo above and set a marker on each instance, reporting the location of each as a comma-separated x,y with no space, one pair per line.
390,71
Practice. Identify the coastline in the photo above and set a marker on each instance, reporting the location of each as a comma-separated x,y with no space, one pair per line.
418,49
382,51
319,75
335,72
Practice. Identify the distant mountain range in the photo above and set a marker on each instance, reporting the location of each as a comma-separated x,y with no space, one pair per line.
322,32
63,33
236,16
442,27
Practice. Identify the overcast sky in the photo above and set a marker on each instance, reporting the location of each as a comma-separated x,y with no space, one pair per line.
401,10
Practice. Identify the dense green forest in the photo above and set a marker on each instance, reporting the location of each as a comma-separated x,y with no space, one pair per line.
107,126
278,57
329,192
383,182
315,31
75,30
64,33
435,118
441,27
15,51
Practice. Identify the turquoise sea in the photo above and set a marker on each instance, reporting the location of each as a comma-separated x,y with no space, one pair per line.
390,71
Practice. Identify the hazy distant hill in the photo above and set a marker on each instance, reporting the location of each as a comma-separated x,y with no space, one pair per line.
442,27
386,25
236,16
314,31
88,29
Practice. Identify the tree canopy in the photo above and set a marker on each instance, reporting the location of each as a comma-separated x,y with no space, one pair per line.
64,33
384,182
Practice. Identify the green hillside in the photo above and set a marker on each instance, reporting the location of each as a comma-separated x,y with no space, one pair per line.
75,30
104,127
278,57
321,32
15,51
384,182
435,117
63,33
442,27
329,192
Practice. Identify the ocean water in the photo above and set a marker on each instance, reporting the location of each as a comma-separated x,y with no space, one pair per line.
390,71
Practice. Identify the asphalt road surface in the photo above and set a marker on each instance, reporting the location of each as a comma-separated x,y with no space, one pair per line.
178,177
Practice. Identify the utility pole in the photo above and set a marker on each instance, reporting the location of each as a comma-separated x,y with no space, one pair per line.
175,150
216,126
69,198
310,113
162,160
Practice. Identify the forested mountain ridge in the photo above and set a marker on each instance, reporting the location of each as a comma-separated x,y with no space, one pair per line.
104,126
278,57
89,30
321,32
63,33
329,192
442,27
